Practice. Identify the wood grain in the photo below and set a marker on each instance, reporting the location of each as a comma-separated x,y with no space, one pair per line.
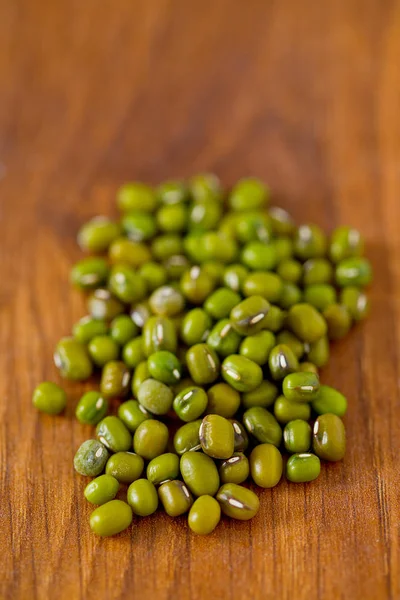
305,95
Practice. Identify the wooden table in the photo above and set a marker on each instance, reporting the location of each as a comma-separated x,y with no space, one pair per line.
305,95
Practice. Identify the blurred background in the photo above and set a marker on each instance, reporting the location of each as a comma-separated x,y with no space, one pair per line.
298,93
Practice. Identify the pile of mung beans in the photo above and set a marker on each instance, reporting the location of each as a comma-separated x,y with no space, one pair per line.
210,314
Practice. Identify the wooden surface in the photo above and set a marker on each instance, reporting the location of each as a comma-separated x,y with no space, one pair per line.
305,95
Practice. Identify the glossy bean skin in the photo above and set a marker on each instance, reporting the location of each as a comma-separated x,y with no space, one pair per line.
142,498
306,322
165,367
103,349
186,318
257,347
72,359
223,338
264,395
123,329
199,473
237,502
204,515
133,352
113,434
297,436
241,439
266,465
183,384
318,352
217,437
126,467
115,379
187,437
329,400
329,437
87,328
235,469
302,468
140,374
241,373
220,303
132,414
223,400
91,408
175,498
275,319
261,283
150,439
163,468
282,361
286,411
111,518
262,425
203,364
190,403
259,256
308,367
234,276
159,333
289,339
196,327
196,285
300,387
248,317
50,398
102,489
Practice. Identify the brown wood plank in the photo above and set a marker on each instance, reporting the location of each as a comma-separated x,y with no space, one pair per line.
305,95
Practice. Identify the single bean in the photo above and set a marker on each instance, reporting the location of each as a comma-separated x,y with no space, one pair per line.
237,501
111,518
